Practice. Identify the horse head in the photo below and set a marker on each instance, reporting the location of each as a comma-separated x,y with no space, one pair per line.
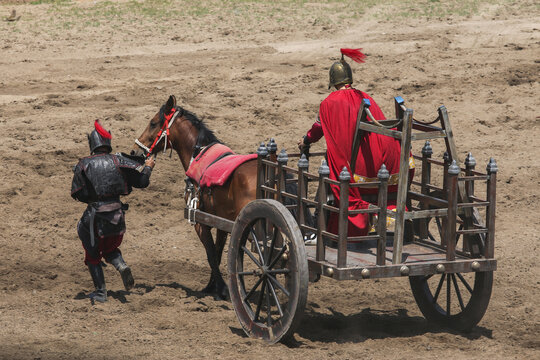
173,127
156,136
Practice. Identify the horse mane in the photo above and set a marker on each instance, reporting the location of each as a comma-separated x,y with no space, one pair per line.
207,136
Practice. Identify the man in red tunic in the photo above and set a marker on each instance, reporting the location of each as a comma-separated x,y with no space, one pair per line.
337,123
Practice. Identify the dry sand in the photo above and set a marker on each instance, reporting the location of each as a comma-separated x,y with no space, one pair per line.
250,78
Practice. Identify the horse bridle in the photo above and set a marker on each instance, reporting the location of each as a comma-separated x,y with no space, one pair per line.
163,133
167,121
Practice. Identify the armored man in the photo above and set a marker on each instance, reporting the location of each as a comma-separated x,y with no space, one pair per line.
99,180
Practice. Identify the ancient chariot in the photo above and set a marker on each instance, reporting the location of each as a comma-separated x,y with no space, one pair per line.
442,239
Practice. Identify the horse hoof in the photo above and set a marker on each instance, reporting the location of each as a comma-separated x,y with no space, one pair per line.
223,293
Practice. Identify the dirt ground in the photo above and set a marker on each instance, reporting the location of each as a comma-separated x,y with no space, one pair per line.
252,71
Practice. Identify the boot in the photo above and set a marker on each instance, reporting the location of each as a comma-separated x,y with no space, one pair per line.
100,294
115,258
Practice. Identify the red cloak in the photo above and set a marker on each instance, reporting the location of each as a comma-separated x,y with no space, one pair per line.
338,114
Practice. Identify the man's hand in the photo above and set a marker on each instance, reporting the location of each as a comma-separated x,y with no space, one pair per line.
150,162
301,144
304,145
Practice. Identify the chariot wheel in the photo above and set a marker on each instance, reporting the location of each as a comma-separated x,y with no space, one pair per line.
268,272
454,300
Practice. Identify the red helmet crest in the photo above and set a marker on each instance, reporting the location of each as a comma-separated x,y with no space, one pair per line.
354,54
101,130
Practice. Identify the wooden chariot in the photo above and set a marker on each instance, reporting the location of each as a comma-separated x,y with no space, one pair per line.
442,239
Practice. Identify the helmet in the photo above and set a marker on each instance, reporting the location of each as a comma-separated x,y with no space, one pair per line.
340,73
99,137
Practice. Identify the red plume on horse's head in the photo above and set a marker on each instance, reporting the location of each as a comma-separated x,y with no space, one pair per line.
354,54
101,130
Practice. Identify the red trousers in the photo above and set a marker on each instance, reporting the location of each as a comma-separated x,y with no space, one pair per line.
107,244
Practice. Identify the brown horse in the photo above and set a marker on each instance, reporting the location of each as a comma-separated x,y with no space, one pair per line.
179,129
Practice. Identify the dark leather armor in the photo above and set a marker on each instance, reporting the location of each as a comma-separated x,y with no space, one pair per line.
103,176
99,180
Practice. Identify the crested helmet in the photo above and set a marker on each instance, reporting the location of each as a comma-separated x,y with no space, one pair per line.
340,71
99,137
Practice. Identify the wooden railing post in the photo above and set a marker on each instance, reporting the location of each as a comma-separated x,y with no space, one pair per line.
446,160
398,102
343,224
427,151
403,187
303,165
270,170
470,164
324,171
451,219
492,169
282,160
383,175
262,152
272,149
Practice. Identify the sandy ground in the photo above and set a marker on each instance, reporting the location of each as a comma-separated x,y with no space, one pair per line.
250,79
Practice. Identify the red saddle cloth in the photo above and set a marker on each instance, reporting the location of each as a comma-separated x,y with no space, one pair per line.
215,164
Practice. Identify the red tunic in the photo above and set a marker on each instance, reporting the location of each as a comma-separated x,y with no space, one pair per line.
338,114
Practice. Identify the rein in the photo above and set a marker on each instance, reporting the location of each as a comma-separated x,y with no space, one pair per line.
163,133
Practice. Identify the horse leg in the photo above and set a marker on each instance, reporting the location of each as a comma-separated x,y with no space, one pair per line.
221,287
205,235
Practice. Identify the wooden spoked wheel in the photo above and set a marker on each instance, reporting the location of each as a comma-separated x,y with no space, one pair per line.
458,301
455,300
268,272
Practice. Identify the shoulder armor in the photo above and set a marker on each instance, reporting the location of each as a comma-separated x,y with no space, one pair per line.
78,166
103,172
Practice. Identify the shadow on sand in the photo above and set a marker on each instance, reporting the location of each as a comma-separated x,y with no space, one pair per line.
372,324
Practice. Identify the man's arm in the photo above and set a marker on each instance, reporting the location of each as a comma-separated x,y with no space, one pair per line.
79,186
141,179
313,135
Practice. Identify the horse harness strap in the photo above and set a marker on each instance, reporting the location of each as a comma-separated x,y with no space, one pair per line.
192,201
198,148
